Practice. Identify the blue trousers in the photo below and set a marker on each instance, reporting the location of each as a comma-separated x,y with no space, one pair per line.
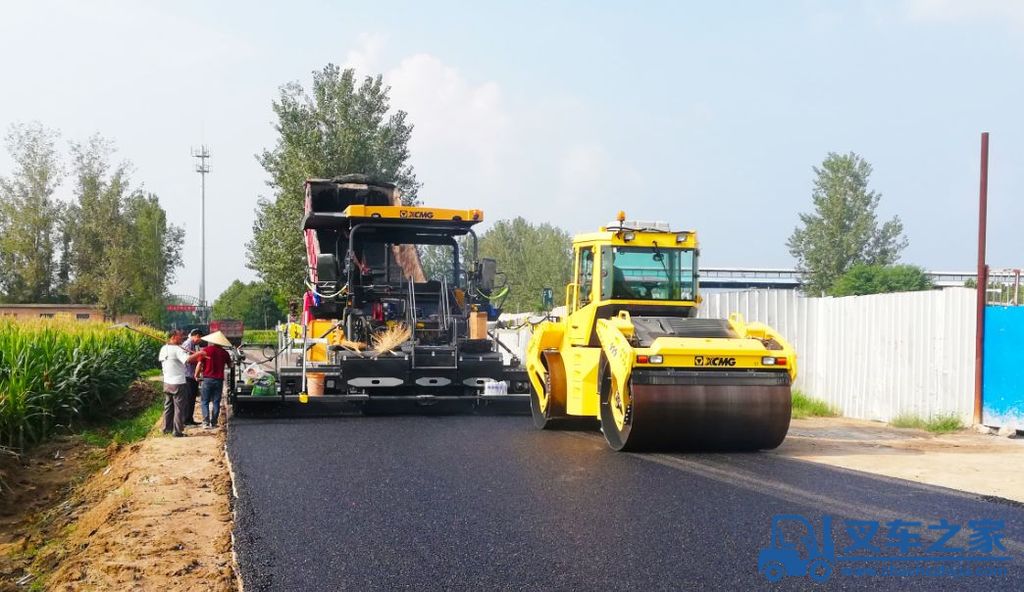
211,392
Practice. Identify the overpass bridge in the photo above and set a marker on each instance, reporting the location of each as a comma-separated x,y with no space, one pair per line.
778,278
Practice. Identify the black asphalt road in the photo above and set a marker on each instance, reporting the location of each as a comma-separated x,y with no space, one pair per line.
490,503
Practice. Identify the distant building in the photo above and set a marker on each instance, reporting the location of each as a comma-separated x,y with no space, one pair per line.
81,312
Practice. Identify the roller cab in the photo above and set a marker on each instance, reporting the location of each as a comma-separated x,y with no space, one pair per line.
631,356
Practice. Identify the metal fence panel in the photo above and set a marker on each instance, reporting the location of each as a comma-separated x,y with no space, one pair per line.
872,357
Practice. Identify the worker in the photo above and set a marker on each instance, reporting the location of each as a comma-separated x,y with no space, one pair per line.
192,345
214,359
173,359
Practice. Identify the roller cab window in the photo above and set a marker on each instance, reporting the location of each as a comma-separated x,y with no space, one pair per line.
585,275
647,273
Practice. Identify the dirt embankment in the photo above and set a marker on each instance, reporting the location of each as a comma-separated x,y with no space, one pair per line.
157,516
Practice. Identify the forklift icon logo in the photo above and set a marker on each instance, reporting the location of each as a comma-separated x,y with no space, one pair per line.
784,557
797,549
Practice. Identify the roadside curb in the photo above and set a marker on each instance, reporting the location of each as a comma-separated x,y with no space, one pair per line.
232,502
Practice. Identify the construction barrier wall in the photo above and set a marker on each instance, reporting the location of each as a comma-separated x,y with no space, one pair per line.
877,356
1003,383
872,357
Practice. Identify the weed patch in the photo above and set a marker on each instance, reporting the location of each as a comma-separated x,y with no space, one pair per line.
938,424
804,406
125,431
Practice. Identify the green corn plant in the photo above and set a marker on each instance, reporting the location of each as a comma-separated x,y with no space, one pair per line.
56,371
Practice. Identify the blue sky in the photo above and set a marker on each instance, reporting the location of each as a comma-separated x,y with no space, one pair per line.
708,115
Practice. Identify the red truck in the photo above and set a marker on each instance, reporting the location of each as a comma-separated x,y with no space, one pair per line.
233,329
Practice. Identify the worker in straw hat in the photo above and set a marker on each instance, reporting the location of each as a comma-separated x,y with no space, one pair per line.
214,359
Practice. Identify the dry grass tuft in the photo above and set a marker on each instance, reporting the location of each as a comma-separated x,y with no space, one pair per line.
356,346
390,338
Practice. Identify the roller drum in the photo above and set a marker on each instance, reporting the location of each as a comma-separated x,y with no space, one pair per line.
703,411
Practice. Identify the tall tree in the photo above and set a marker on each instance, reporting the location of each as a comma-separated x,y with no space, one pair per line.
843,229
95,223
29,216
341,126
155,253
122,251
253,303
532,257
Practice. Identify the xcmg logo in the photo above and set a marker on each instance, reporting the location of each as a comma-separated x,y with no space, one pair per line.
713,361
413,214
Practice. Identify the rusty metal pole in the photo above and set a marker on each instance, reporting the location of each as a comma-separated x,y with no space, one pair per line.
979,339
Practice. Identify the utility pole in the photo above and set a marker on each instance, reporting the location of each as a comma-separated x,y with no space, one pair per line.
202,168
979,337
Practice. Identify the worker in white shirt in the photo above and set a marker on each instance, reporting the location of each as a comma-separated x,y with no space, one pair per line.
173,359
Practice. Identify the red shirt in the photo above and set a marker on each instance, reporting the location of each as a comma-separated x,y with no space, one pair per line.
214,361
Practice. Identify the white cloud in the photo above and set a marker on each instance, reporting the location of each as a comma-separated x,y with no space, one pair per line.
366,56
458,122
952,11
476,144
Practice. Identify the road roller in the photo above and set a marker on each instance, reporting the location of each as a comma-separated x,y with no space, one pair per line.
630,355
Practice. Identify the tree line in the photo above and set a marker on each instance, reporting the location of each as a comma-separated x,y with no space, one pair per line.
345,124
110,244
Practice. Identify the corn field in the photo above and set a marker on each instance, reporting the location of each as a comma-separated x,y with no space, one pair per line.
54,371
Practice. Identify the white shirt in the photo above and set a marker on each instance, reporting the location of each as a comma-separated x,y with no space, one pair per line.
173,359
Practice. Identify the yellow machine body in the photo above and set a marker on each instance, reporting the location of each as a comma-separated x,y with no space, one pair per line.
629,348
413,213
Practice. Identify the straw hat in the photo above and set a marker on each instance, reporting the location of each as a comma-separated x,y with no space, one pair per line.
217,338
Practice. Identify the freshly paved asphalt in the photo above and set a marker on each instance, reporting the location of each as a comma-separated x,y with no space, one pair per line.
490,503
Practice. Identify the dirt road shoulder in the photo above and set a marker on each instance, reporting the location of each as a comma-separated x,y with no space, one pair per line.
965,460
157,517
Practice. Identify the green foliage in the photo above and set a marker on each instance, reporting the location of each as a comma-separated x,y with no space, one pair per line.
253,303
939,424
880,279
126,431
260,336
112,246
998,292
804,406
122,252
340,126
29,215
436,260
54,371
843,230
532,257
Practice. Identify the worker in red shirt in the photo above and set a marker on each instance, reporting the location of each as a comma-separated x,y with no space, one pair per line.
214,359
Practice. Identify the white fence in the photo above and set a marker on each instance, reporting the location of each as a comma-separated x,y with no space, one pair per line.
872,357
